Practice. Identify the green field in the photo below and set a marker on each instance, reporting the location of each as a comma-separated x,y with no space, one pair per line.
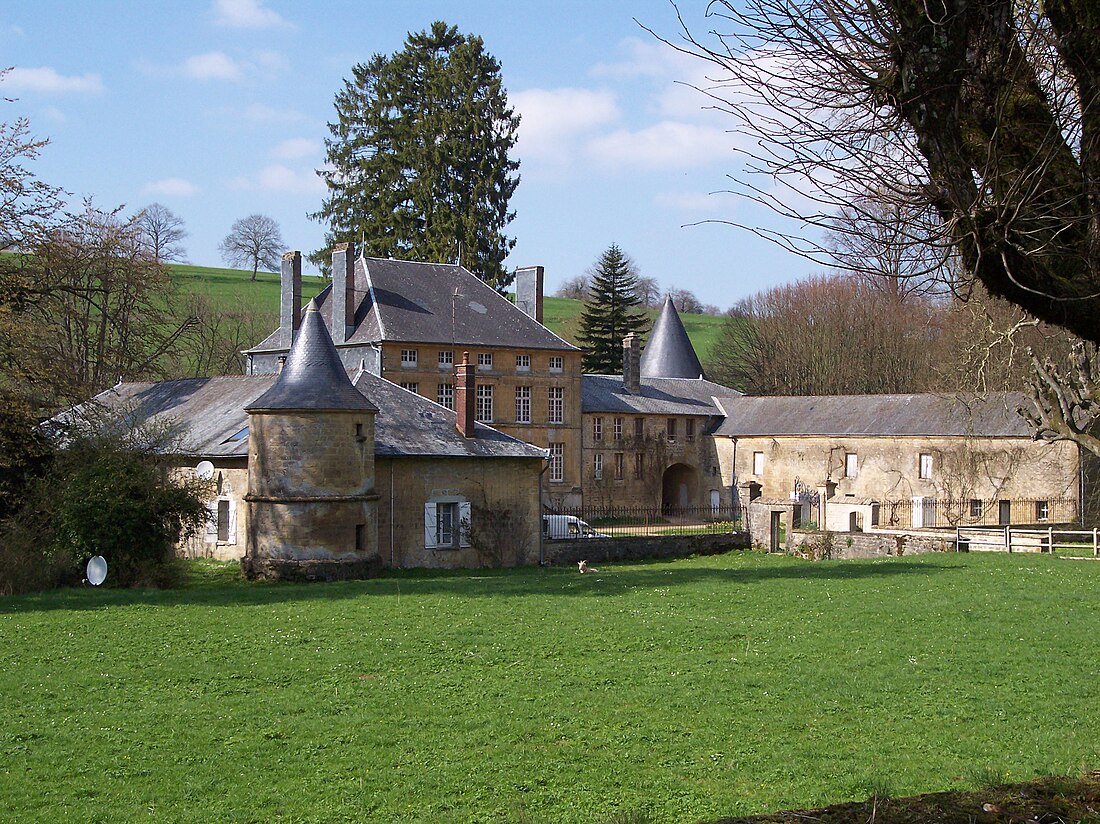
232,287
671,691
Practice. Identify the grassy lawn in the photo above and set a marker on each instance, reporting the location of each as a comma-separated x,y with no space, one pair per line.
234,288
674,691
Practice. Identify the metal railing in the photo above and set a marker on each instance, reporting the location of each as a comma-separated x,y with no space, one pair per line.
619,521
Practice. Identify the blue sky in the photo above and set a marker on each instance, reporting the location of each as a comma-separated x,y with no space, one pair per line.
218,109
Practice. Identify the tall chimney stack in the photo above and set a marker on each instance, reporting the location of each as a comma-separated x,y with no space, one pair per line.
632,372
343,291
290,296
529,291
464,397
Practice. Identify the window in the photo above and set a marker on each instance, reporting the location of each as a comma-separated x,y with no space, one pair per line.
556,411
639,464
360,537
757,463
411,386
484,403
617,429
1042,510
975,508
523,404
446,524
445,395
670,430
851,465
446,359
557,363
689,429
597,466
484,361
408,358
557,462
221,521
597,429
618,466
639,428
523,363
925,465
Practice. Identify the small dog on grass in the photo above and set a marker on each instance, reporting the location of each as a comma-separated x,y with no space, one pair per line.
584,567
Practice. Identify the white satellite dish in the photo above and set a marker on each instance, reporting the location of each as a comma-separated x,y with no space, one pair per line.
97,570
204,471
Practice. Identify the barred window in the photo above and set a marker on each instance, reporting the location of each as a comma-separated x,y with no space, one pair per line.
556,410
597,466
618,429
523,404
445,395
485,403
557,462
597,429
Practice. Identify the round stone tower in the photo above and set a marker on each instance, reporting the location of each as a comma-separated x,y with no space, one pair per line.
312,511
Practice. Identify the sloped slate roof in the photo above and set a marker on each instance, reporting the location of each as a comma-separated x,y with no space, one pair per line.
668,352
210,412
405,301
658,396
881,415
313,378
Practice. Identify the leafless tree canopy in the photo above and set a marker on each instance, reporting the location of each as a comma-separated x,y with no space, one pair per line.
649,292
163,232
685,301
575,288
979,118
253,241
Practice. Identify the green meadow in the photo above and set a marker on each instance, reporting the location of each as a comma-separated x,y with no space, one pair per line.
232,288
673,691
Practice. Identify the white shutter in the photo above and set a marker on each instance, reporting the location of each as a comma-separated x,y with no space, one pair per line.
429,526
232,522
464,524
211,534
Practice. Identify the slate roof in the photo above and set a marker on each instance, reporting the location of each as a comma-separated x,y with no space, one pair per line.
405,301
668,352
313,378
214,423
874,415
658,396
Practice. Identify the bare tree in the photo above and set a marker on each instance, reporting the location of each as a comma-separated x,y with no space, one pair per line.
984,114
575,288
163,232
685,301
649,292
253,241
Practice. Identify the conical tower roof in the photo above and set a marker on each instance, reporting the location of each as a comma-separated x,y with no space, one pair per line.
668,352
313,378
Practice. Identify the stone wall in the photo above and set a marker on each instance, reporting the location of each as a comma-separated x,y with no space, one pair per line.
229,484
849,545
603,550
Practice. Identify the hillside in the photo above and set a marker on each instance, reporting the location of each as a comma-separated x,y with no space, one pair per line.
232,288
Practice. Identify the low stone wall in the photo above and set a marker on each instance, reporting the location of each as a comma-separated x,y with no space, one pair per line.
603,550
283,569
848,545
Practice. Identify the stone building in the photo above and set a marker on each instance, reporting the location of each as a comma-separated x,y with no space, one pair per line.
410,322
897,460
317,474
647,433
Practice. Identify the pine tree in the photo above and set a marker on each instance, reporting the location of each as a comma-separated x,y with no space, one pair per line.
418,157
610,312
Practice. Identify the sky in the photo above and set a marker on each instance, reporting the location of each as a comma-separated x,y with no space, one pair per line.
219,109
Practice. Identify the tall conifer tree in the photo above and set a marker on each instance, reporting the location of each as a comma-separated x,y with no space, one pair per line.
610,313
418,157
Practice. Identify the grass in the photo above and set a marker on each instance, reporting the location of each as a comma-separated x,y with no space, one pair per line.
697,689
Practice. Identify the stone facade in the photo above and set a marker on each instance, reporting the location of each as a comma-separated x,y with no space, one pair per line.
224,537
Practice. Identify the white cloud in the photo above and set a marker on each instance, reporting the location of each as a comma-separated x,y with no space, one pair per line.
46,79
171,187
552,119
212,66
279,178
295,148
246,14
647,58
665,145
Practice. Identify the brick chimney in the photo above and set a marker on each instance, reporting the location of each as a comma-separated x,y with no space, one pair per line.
632,376
343,291
290,296
529,291
464,397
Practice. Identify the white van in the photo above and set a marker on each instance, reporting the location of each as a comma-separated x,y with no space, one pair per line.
567,526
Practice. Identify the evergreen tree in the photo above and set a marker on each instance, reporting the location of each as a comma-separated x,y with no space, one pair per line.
418,157
610,312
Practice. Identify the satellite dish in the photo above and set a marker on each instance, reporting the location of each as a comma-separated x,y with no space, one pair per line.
97,570
204,471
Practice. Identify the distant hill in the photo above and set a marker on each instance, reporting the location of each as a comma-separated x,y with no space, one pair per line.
232,287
